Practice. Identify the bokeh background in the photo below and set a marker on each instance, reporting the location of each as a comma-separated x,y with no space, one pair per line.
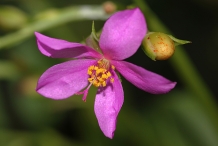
186,116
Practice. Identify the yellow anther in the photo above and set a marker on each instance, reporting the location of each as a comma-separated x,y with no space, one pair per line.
100,70
95,68
111,80
104,84
113,67
96,83
108,74
100,79
104,76
90,79
89,72
91,67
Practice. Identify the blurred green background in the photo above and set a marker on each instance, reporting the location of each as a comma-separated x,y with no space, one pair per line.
186,116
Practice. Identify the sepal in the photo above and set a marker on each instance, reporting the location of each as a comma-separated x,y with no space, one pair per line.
93,40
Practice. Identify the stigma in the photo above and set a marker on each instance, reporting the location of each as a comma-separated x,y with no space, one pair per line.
100,74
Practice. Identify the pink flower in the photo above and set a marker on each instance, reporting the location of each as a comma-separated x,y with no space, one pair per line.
121,36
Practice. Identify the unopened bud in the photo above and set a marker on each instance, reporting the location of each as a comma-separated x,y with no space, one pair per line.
160,46
109,7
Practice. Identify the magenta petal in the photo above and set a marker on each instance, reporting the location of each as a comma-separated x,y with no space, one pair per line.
65,79
108,103
144,79
57,48
122,34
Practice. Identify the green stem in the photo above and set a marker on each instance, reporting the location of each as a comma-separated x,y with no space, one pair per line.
183,65
76,13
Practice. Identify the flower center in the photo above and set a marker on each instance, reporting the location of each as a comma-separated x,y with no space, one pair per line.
99,74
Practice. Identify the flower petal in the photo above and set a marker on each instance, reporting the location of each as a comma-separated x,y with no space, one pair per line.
65,79
108,103
57,48
122,34
144,79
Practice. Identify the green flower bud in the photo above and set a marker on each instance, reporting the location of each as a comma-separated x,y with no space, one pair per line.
158,46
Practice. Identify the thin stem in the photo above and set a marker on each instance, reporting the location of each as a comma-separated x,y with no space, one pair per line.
76,13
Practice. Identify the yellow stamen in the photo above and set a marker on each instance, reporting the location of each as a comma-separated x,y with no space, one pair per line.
112,80
104,84
95,68
99,74
89,72
104,76
108,74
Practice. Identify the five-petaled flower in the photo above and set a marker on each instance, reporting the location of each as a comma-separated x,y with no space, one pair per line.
121,36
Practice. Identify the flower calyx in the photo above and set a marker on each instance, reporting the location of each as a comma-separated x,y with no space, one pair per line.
93,40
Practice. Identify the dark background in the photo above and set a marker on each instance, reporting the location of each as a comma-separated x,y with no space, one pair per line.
186,116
